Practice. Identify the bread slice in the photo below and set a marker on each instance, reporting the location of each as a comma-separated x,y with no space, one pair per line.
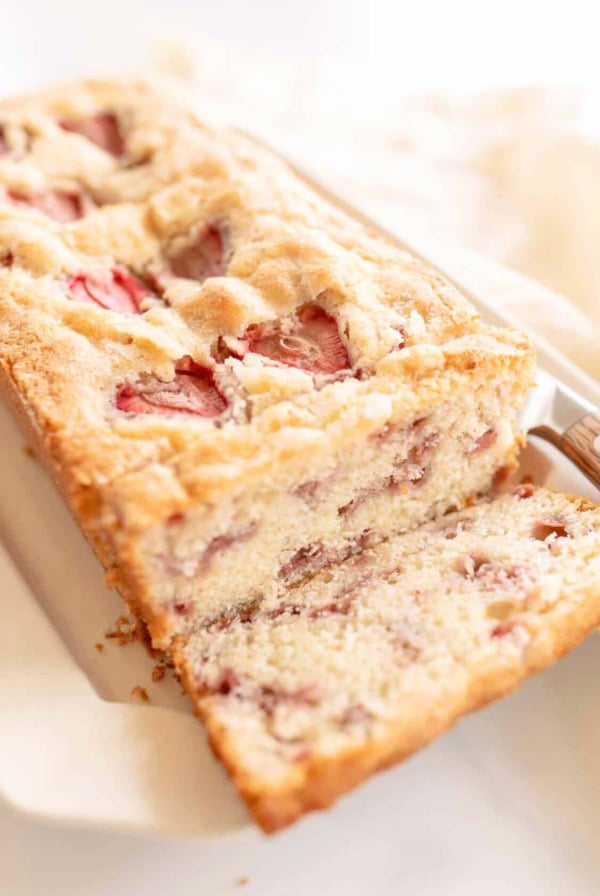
233,383
306,694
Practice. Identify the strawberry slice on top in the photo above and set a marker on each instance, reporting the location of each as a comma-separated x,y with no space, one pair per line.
200,259
115,290
63,206
191,391
310,341
102,129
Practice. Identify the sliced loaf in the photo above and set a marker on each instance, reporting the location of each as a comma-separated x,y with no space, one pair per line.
308,693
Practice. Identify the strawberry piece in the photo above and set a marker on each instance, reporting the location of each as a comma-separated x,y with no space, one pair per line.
116,290
182,608
505,628
222,542
200,259
269,697
311,556
550,528
484,442
191,391
356,714
228,681
61,205
311,343
103,129
490,574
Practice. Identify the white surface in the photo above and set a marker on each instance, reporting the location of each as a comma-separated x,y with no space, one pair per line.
383,45
102,763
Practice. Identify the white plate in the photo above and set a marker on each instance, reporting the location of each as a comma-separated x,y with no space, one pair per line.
76,747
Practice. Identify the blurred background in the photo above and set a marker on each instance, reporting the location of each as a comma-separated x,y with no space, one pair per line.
464,125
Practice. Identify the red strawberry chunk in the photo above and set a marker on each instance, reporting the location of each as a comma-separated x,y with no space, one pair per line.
502,629
191,391
312,342
549,529
356,714
200,259
228,681
484,442
61,205
102,129
524,491
115,290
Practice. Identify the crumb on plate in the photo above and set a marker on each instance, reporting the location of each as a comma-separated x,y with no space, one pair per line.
124,631
158,673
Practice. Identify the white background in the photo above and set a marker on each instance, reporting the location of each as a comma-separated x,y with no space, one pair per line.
375,49
430,43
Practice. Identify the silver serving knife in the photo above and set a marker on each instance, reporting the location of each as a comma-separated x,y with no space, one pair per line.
553,411
566,420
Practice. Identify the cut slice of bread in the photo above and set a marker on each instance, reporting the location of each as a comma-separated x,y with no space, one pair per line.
308,693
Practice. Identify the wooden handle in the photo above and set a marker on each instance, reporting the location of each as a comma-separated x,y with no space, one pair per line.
581,443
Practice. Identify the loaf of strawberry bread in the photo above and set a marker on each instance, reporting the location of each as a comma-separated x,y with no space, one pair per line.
306,695
234,384
272,426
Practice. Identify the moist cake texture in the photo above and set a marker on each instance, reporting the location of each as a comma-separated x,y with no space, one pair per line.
306,694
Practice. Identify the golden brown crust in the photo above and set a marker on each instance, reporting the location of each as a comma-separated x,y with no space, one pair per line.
65,379
43,154
118,487
286,246
81,500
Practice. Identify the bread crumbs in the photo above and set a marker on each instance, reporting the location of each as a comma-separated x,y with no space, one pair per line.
158,673
141,693
124,632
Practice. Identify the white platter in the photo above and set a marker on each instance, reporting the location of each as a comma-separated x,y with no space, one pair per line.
77,748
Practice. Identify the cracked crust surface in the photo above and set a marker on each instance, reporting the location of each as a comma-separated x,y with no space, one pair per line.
402,325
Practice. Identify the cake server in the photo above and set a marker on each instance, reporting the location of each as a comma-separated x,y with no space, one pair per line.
552,411
559,415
